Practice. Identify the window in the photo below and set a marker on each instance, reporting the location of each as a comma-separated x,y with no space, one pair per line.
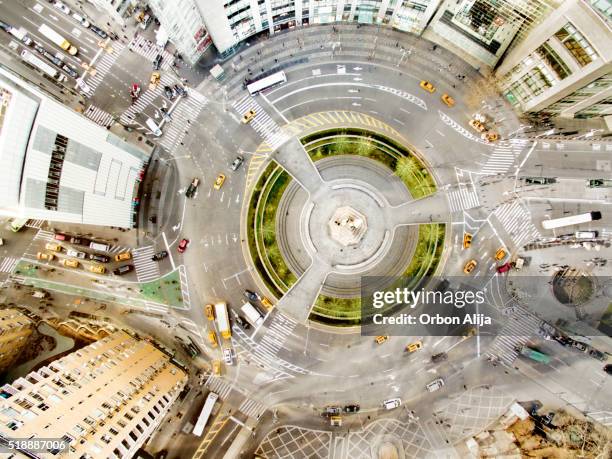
553,60
576,44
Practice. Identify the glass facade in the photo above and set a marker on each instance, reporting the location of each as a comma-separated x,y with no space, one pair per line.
576,44
599,85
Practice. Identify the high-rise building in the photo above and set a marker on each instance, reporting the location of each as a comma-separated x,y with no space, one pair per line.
564,66
105,399
116,9
15,331
182,22
55,164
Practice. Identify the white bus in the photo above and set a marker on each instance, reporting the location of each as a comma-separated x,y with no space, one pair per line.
571,220
252,314
56,38
41,65
209,404
267,82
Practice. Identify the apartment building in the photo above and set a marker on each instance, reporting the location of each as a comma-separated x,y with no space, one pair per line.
15,331
184,26
564,67
105,399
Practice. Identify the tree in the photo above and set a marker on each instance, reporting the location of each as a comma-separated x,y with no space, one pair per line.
407,168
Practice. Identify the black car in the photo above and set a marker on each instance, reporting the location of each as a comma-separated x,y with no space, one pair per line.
70,71
242,322
6,27
160,255
441,357
252,296
157,62
121,270
179,90
98,31
352,408
598,355
608,368
237,163
100,258
168,92
540,180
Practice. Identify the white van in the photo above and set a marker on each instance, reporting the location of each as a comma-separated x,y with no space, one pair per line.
585,234
152,125
100,247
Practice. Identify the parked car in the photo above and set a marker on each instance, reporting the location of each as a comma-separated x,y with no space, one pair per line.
121,270
353,408
159,255
435,385
98,31
332,411
237,163
100,258
392,403
183,245
252,296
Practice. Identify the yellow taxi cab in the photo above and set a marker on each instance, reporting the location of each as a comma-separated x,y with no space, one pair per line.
209,311
335,421
469,267
467,240
45,256
427,86
490,136
414,346
448,100
155,77
98,269
248,116
216,367
70,263
500,254
212,337
381,339
266,303
53,247
219,182
477,125
123,256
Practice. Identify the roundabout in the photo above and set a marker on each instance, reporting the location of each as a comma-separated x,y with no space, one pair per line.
349,227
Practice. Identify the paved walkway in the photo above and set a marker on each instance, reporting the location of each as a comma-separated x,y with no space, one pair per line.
294,159
430,209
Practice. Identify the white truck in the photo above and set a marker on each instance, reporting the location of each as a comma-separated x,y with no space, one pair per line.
223,320
21,34
252,314
41,65
56,38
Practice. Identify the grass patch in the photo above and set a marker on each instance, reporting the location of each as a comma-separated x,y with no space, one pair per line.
166,290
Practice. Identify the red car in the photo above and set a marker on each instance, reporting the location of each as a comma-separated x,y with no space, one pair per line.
504,268
183,245
60,237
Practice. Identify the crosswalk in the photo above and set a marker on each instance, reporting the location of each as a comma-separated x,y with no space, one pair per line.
99,116
150,50
263,124
44,235
102,67
36,224
278,330
603,417
146,98
517,331
187,109
252,408
516,221
463,198
146,269
504,156
7,265
219,386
